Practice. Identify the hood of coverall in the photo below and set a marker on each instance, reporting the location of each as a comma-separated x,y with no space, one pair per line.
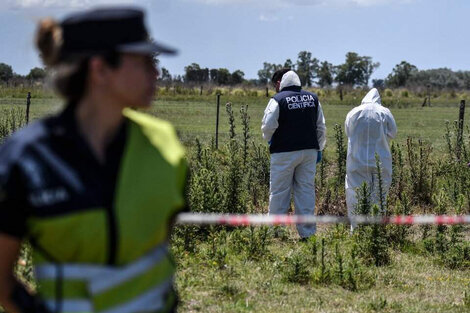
290,79
372,96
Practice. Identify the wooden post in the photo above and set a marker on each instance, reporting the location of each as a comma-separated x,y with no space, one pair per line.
267,92
200,93
429,95
28,103
341,93
424,102
217,123
460,130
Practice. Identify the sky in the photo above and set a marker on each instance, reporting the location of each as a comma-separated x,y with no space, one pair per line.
242,34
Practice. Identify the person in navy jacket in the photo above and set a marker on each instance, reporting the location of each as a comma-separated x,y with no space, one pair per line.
294,126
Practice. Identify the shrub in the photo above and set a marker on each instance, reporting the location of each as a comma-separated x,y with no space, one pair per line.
340,157
388,93
296,269
371,239
11,119
235,191
421,170
238,92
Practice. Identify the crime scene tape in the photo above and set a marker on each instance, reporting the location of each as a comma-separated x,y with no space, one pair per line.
263,219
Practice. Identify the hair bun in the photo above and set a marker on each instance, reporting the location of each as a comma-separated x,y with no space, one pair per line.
49,41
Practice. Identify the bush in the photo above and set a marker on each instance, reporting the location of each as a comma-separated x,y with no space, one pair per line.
11,119
296,269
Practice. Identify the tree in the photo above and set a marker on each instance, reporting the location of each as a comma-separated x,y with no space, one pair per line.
325,74
237,77
437,78
223,76
36,73
194,73
464,77
178,79
307,68
165,76
6,72
356,70
289,64
401,74
191,72
267,72
214,74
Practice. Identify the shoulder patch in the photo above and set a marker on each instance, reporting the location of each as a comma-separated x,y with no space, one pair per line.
14,146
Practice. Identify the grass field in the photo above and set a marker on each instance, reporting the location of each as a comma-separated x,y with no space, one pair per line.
195,116
267,270
412,283
197,119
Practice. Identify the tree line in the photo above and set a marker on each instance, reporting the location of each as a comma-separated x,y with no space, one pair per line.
220,76
408,75
7,75
354,72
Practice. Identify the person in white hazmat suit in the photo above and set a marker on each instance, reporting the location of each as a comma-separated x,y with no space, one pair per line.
294,126
369,128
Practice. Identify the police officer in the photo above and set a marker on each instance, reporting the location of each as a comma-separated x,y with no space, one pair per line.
294,126
94,188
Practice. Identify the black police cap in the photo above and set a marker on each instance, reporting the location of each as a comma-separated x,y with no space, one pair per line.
108,29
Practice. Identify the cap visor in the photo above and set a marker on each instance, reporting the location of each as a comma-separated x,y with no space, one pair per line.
146,47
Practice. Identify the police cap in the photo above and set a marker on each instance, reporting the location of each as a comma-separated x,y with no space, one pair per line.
108,29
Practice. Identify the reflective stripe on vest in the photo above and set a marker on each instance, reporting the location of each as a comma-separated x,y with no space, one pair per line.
102,281
152,300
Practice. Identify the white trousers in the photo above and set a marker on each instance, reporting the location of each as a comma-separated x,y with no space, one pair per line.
294,172
354,180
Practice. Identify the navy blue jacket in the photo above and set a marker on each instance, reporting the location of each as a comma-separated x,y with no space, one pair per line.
298,113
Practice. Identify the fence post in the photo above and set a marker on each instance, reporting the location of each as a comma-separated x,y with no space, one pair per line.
460,130
267,92
28,103
429,95
200,93
217,123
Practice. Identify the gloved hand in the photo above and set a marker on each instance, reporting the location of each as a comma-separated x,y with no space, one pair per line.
319,157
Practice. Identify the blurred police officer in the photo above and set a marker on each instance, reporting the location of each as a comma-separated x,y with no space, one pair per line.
95,187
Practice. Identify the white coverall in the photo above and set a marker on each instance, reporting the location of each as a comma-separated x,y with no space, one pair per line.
293,170
369,128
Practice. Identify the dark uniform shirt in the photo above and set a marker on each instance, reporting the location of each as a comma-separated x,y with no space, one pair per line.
48,169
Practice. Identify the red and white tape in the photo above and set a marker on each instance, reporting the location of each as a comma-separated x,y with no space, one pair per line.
262,219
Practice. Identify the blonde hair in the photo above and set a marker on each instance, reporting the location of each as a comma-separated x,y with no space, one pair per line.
49,41
70,72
